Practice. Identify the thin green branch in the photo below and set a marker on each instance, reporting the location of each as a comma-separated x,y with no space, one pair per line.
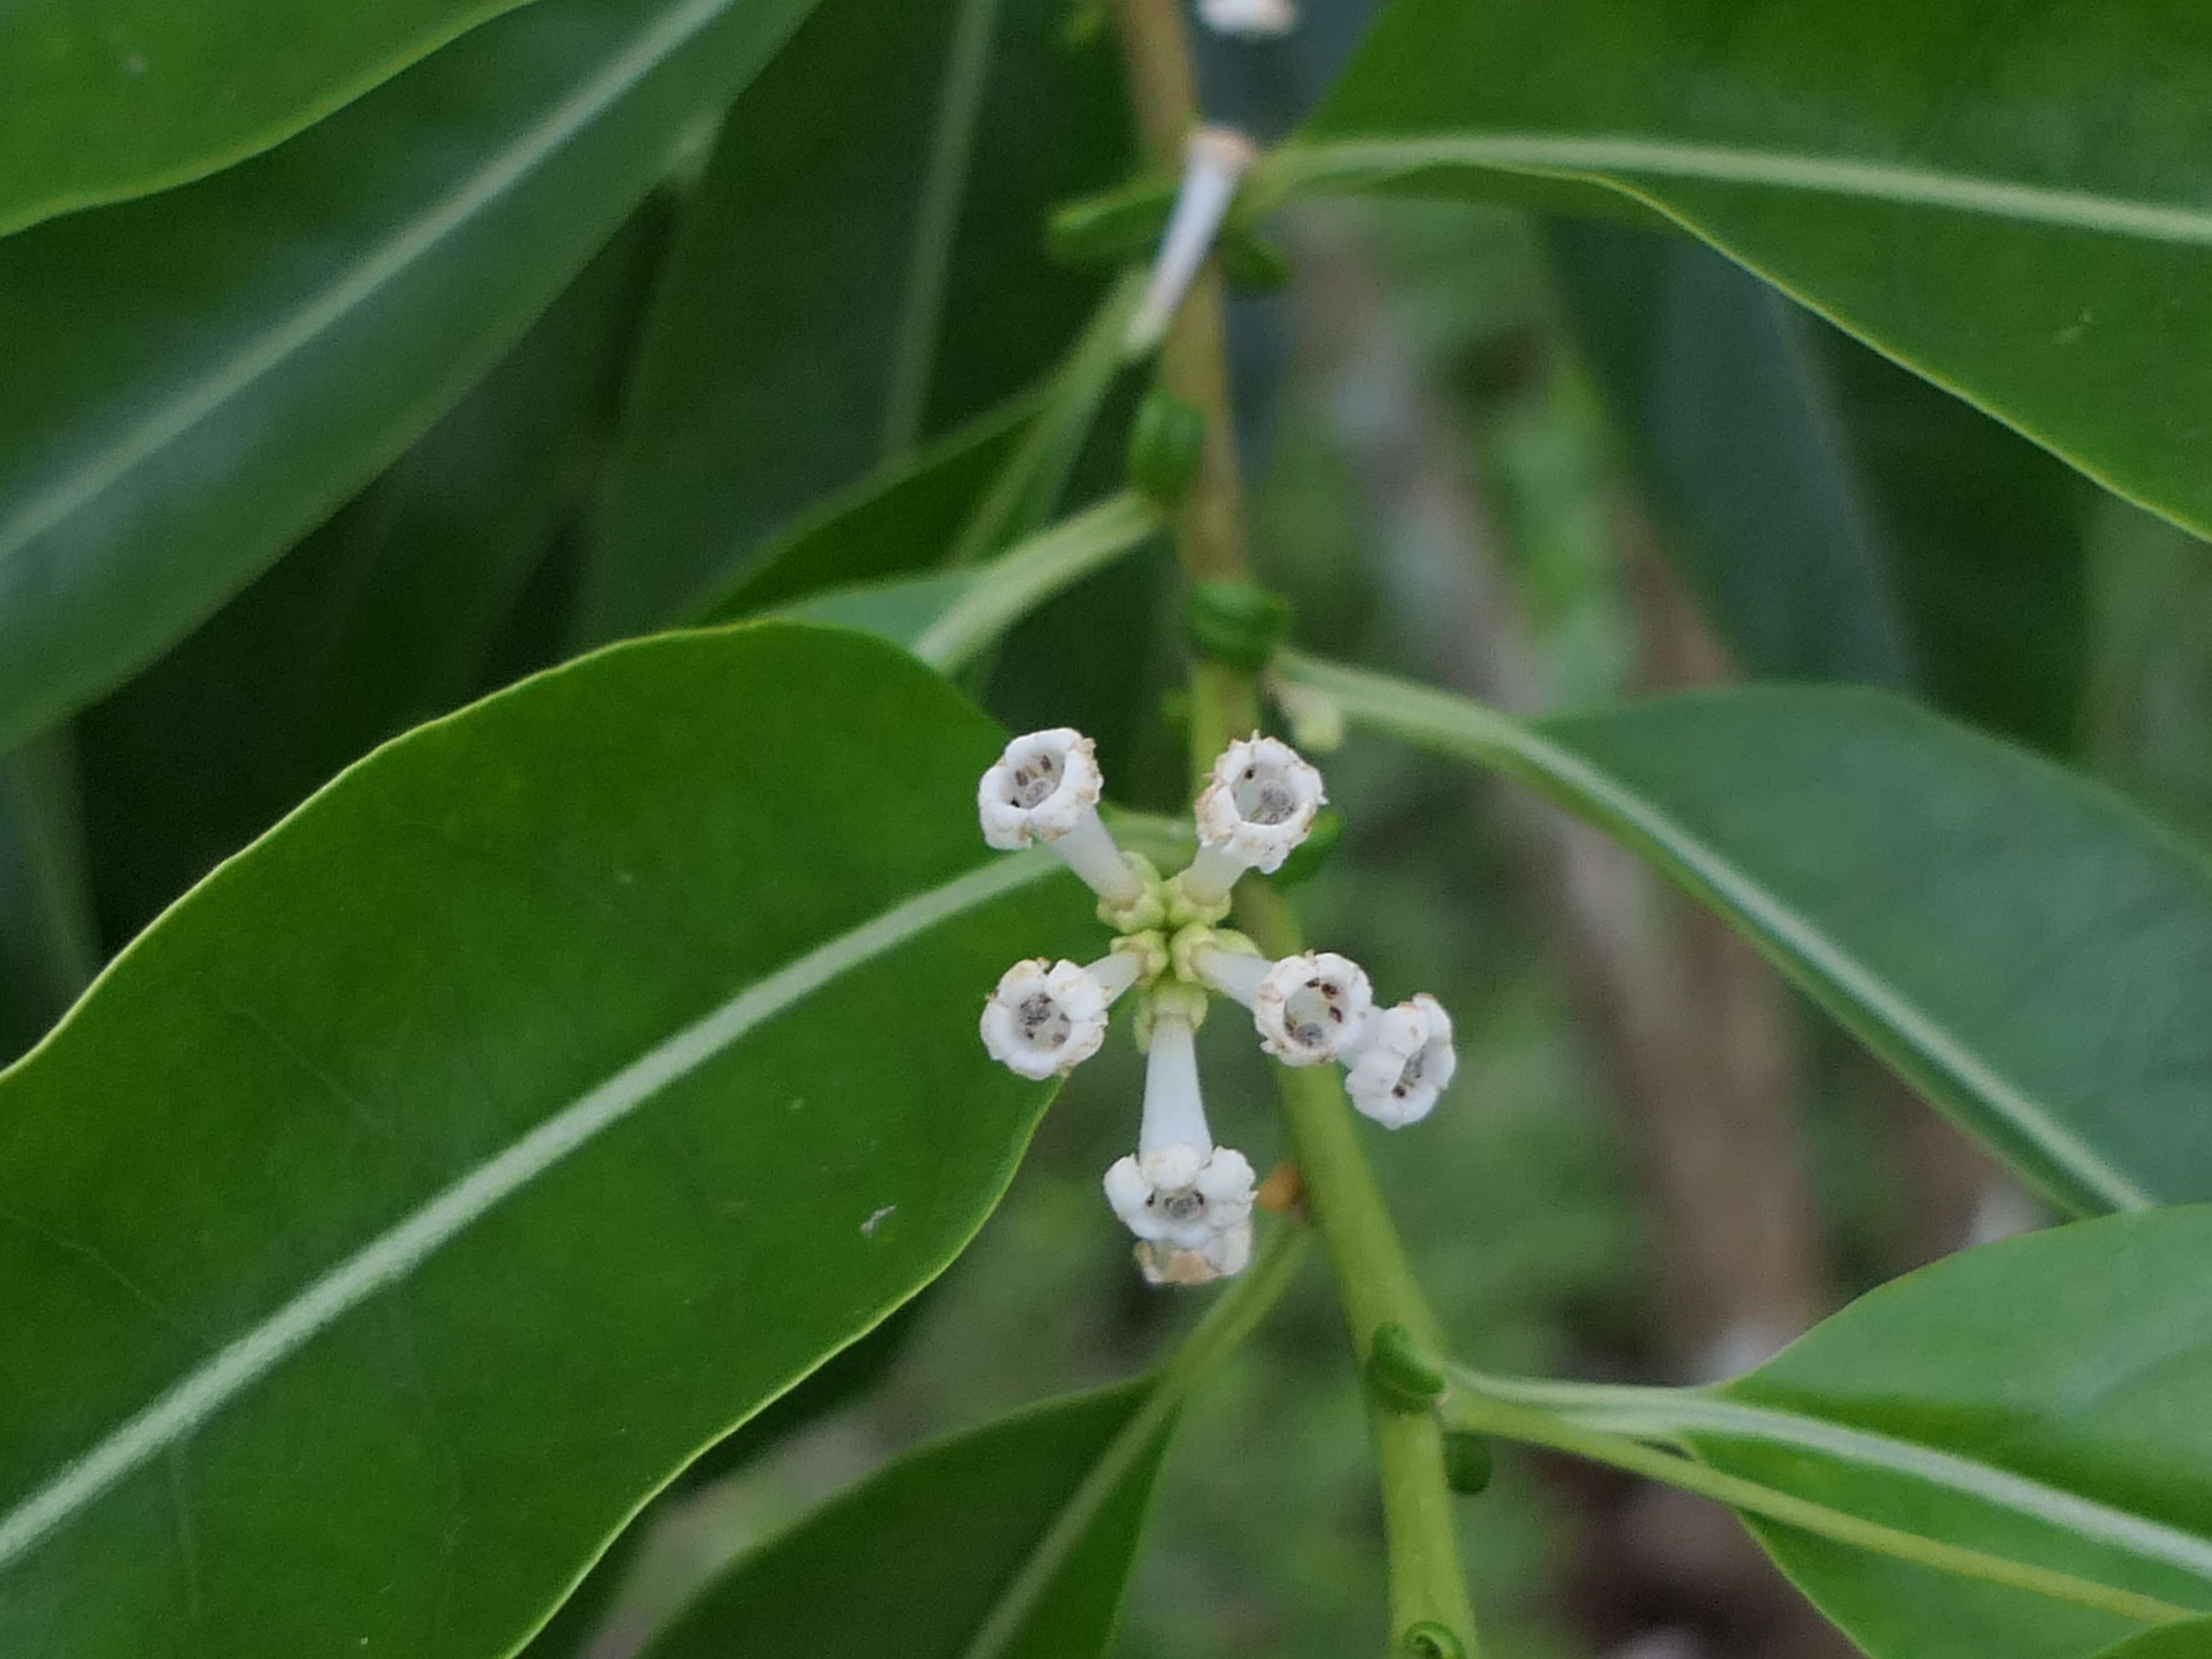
1378,1288
1430,1611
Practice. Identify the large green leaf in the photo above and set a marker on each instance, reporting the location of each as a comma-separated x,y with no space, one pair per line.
848,285
120,100
1737,439
915,1560
196,379
553,1090
2018,943
49,944
1841,519
393,611
2191,1639
2048,1400
2010,199
899,520
2044,1403
1010,1541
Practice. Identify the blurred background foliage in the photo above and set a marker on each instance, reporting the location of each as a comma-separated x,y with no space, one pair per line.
1552,465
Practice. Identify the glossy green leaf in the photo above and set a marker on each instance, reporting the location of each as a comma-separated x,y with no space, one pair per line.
2191,1639
1010,1541
1990,555
854,278
2010,200
396,610
2019,944
117,100
196,379
604,1058
49,943
949,619
2044,1404
899,520
914,1560
1839,518
2049,1399
1737,440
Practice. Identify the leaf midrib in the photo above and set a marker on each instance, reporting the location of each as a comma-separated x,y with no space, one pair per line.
1645,1413
1316,163
108,465
393,1253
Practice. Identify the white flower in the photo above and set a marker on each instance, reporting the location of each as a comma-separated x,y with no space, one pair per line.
1228,1254
1259,804
1404,1061
1047,1019
1188,1202
1046,787
1255,20
1183,1195
1042,786
1311,1008
1190,1208
1213,160
1227,961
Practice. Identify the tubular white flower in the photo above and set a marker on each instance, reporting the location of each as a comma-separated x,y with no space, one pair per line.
1188,1202
1047,1019
1214,161
1117,971
1175,1110
1185,1201
1046,787
1403,1061
1236,973
1258,806
1313,1007
1253,19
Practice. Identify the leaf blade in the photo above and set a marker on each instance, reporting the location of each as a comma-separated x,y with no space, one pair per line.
100,109
477,1180
1793,812
2038,267
202,375
766,378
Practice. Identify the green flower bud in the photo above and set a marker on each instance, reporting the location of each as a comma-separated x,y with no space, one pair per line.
1430,1640
1467,1460
1404,1377
1236,621
1165,442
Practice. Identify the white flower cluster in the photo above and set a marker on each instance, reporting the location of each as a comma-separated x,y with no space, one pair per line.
1188,1201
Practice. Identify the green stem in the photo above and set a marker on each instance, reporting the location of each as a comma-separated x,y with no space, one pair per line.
1431,1617
1226,1324
1378,1288
1484,1414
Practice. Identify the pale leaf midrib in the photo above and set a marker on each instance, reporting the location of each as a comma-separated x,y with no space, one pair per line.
1322,162
396,1252
2067,1511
